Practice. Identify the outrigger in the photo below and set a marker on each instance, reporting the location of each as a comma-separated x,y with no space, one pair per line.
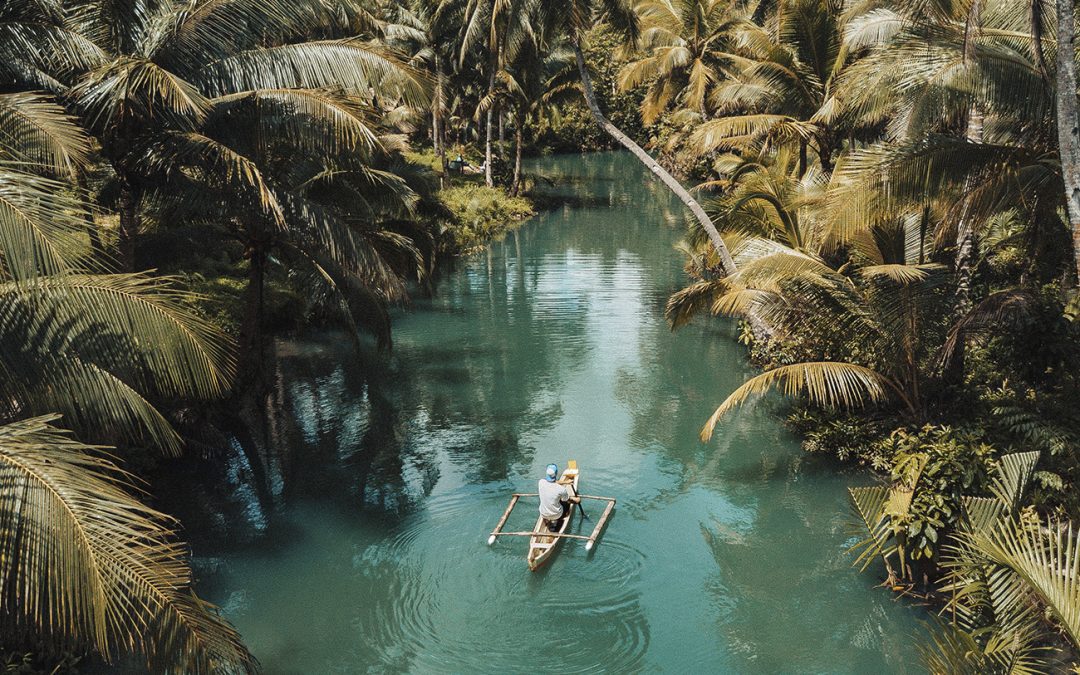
543,543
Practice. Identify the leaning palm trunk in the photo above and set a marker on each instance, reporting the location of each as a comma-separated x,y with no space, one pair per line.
1068,120
727,265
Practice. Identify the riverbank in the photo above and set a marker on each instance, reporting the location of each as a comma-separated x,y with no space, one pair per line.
462,216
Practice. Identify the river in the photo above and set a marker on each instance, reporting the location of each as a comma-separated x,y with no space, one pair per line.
720,557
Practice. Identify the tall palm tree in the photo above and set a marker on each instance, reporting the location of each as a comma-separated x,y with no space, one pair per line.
540,73
686,45
155,67
1068,119
83,563
783,84
575,20
500,26
873,320
304,175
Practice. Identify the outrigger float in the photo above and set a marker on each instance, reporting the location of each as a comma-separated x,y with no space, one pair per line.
542,542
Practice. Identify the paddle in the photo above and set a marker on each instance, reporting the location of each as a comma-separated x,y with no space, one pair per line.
581,507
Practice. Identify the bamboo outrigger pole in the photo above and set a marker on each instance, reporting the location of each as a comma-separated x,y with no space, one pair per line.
502,521
590,540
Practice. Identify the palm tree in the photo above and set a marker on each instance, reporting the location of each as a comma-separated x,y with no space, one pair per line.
84,563
575,20
685,45
1068,120
770,197
783,84
77,340
1012,582
872,320
540,74
306,176
87,564
500,24
157,67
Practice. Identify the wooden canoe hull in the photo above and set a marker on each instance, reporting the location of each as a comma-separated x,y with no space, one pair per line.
542,548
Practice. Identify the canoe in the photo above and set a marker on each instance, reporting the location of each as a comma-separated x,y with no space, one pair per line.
543,547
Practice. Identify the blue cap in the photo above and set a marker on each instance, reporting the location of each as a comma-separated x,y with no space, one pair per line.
552,472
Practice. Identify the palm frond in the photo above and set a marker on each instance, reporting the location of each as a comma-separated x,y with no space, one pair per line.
39,220
828,384
39,134
83,558
355,65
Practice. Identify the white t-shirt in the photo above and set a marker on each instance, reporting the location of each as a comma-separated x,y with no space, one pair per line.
551,497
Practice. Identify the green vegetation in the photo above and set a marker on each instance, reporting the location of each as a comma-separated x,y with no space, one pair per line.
889,184
889,201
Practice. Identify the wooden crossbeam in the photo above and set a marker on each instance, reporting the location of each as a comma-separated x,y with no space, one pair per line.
537,494
538,534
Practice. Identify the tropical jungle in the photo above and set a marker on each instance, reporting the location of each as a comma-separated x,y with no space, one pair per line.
295,293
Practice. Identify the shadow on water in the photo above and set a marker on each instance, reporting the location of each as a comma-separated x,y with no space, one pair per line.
382,474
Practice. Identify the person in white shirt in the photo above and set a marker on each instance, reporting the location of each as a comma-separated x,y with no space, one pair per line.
555,498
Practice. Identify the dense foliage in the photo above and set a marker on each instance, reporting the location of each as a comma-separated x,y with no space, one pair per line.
884,203
887,179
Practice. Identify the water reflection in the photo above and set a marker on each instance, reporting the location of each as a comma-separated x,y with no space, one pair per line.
387,472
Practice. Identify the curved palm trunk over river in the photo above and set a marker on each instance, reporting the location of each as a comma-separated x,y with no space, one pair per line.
727,265
1068,120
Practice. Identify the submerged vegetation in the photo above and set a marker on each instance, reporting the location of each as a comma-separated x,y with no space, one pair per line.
886,199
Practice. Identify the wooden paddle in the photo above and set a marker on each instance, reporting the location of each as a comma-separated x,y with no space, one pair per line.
579,504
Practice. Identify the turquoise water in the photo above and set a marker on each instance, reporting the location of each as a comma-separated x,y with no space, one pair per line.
725,557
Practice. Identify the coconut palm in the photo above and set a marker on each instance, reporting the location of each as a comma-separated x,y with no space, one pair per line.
575,20
686,45
79,341
1068,119
157,67
84,563
873,319
303,177
87,564
540,73
500,25
783,84
767,197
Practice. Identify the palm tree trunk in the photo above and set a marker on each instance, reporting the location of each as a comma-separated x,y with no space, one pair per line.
437,121
727,265
1068,120
516,185
129,223
88,216
1035,20
502,129
487,132
965,257
251,330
